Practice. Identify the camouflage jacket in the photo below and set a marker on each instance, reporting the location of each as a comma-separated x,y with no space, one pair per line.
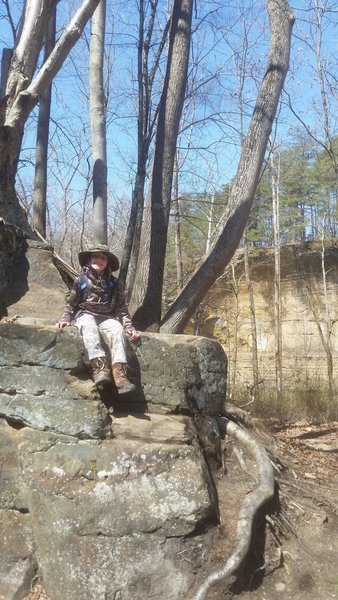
101,296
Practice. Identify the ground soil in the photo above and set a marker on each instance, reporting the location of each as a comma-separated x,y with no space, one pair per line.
294,553
305,529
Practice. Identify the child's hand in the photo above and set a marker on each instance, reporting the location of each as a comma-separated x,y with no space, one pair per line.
133,334
62,324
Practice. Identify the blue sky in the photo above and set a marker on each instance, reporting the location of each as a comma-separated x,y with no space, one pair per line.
219,47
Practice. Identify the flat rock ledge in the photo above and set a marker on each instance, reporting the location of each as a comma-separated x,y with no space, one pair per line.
105,494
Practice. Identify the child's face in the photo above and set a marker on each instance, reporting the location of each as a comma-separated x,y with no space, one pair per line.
98,261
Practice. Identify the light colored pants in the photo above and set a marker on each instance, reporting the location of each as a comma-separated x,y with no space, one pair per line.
91,327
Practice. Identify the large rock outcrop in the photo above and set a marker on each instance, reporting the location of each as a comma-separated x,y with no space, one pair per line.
102,494
99,492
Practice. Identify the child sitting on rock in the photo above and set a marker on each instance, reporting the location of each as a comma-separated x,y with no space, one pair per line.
97,305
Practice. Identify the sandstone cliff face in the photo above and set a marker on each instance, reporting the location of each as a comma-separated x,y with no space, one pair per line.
309,316
102,494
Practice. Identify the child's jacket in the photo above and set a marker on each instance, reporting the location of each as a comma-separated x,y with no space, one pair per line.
101,296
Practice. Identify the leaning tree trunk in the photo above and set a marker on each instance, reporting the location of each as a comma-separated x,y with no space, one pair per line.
252,156
23,92
147,293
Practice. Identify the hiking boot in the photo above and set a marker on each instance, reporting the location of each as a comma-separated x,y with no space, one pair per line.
100,370
124,386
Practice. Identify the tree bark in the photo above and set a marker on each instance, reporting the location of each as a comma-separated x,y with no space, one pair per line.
6,58
133,234
252,156
147,294
233,350
23,92
327,337
252,310
177,230
97,104
146,120
277,282
41,154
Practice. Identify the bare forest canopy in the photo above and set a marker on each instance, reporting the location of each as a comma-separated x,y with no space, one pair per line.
173,130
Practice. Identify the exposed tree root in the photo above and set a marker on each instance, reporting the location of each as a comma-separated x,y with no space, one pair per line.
250,506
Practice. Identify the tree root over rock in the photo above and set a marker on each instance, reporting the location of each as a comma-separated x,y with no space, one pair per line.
249,508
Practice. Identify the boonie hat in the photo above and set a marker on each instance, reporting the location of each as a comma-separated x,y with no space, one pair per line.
113,261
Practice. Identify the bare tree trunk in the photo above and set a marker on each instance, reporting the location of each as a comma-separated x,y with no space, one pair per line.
145,126
277,295
6,58
323,95
97,102
177,226
325,332
41,155
317,21
332,218
252,156
233,355
147,295
210,219
327,338
255,370
23,92
133,235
